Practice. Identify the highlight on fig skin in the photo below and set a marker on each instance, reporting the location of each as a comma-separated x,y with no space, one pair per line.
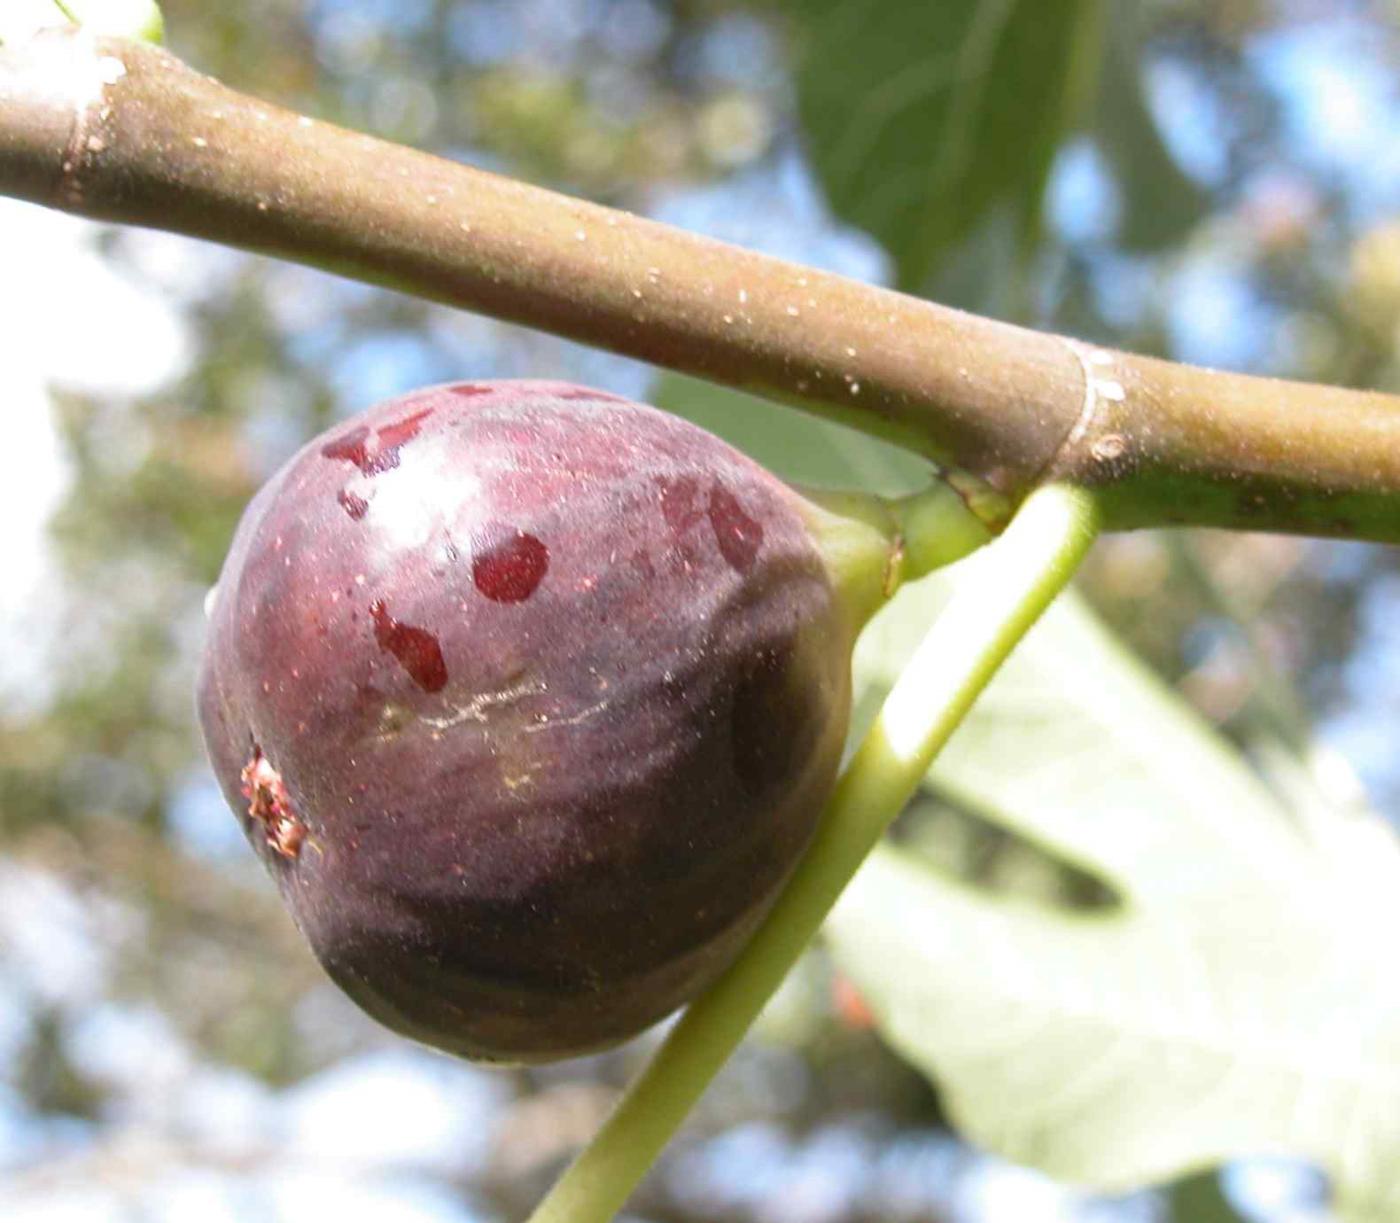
554,684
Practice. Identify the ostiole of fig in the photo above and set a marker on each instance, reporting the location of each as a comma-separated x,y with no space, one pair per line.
872,545
530,698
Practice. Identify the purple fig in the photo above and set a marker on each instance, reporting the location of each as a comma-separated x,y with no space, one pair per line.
530,698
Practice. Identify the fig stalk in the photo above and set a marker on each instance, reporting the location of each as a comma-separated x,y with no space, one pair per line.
872,545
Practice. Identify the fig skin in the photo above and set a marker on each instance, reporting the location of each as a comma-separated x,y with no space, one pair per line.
529,698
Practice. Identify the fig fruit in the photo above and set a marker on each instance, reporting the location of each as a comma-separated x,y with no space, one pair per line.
530,698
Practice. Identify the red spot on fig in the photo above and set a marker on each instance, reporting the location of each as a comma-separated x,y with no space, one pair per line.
350,448
353,505
739,536
391,437
380,452
678,502
507,563
469,390
415,648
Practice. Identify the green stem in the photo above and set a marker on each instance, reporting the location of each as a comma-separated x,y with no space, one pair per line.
1009,585
872,545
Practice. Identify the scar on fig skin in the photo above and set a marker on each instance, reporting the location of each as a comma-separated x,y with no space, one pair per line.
270,805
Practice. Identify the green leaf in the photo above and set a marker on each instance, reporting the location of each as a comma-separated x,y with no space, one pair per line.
1199,1199
1239,1000
1160,203
927,121
800,448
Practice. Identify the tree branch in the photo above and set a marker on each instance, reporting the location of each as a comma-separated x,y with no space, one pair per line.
120,131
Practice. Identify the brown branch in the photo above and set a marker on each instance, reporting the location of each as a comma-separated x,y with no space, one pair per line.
120,131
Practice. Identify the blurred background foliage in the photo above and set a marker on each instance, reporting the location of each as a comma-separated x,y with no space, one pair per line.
1212,181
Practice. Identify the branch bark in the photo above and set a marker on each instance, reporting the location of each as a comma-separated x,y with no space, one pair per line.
120,131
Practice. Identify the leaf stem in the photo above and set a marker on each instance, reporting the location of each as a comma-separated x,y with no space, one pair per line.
1009,584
